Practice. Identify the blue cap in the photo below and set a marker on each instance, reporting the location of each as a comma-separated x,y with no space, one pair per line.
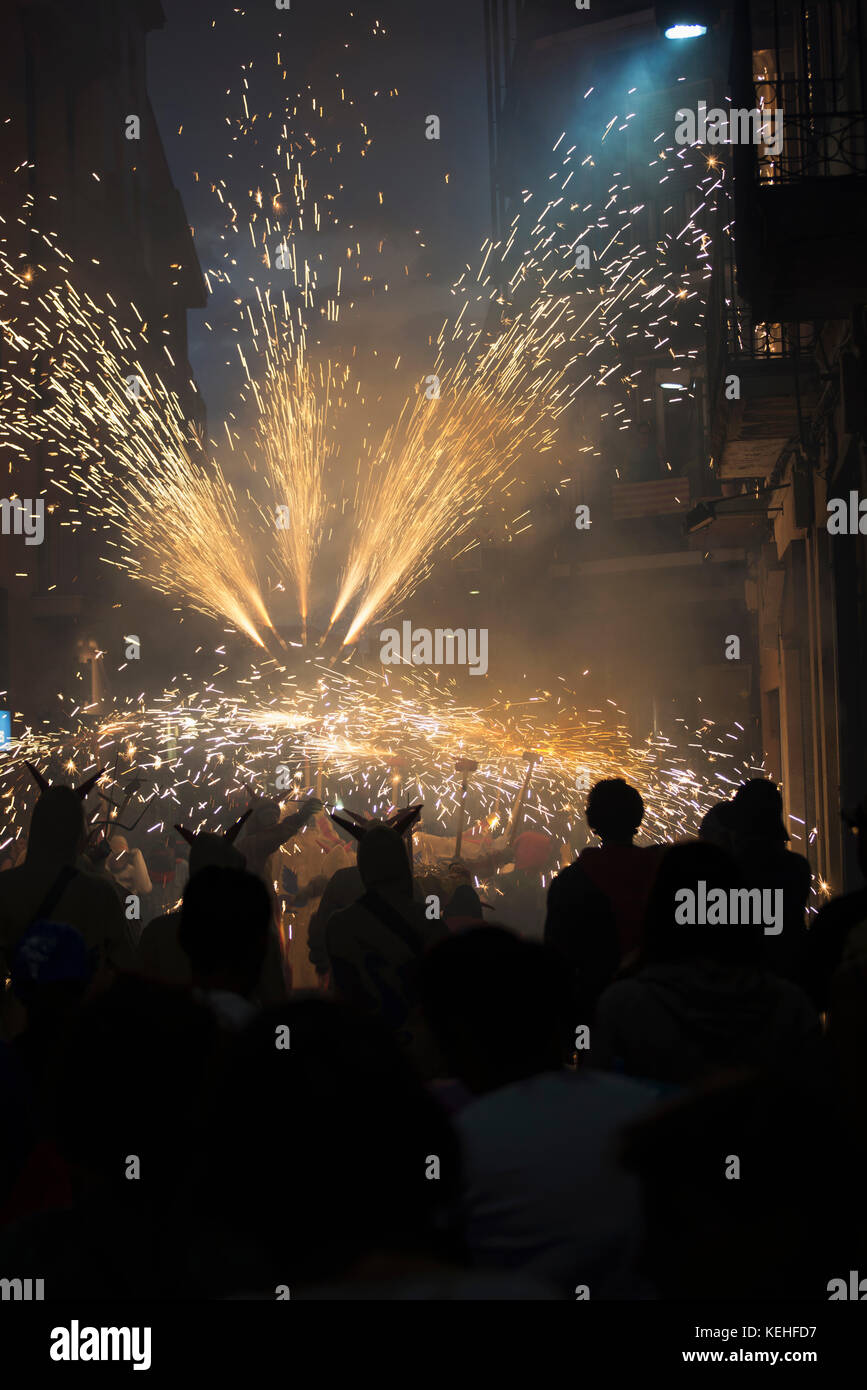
50,953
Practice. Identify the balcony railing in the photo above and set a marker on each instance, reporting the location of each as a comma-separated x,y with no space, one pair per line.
818,141
734,334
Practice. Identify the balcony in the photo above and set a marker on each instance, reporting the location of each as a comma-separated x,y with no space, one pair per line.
801,204
659,497
760,413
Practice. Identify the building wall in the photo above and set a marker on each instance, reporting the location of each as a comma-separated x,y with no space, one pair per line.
635,598
71,75
799,432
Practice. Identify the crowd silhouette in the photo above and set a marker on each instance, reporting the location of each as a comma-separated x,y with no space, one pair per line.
507,1083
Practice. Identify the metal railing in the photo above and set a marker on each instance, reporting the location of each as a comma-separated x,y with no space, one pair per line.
818,141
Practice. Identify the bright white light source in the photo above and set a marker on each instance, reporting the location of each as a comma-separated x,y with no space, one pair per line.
685,31
673,385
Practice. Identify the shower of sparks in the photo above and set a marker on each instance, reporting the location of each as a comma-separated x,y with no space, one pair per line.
532,332
173,515
295,435
356,737
444,454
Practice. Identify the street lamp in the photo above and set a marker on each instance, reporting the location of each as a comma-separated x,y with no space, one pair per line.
680,19
685,31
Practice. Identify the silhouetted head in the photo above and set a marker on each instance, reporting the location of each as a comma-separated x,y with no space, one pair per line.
464,902
57,829
208,848
402,819
757,811
119,844
382,860
145,1049
496,1005
321,1102
614,810
717,825
768,1234
51,967
665,938
265,816
225,919
213,851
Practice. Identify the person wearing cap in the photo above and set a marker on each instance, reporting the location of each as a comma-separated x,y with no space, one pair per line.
50,972
50,884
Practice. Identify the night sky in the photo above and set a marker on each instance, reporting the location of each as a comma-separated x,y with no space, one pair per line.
432,56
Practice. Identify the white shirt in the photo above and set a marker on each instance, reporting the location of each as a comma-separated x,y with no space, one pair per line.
542,1188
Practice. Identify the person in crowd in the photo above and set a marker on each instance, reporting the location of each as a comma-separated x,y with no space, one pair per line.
463,909
521,901
837,960
224,930
345,886
50,885
596,905
543,1192
759,839
125,1095
13,855
307,863
749,1191
445,1125
343,1169
701,999
51,974
128,868
160,955
716,827
342,890
839,930
52,970
129,873
374,946
264,833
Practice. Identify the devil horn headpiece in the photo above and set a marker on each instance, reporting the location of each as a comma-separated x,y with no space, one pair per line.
37,777
358,825
231,834
402,820
82,791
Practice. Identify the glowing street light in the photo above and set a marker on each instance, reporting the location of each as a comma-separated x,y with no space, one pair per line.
685,31
686,19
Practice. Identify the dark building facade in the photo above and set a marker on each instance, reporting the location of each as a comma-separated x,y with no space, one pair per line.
72,77
640,599
788,321
771,429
